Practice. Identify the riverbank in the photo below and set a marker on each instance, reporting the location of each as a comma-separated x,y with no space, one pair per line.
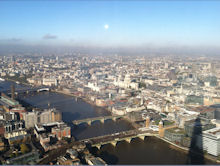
134,125
65,104
186,150
17,82
172,145
70,94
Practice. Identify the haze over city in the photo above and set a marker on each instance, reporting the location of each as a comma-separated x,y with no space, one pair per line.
111,24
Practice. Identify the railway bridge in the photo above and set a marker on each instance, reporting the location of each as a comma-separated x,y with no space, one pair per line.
113,139
24,91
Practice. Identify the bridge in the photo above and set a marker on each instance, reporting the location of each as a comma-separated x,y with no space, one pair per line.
43,89
113,139
27,90
101,119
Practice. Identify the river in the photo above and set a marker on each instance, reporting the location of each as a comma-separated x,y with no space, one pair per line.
72,110
150,151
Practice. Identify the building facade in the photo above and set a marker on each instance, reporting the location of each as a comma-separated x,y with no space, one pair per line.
211,141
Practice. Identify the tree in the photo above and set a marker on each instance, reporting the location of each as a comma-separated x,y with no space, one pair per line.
24,148
142,85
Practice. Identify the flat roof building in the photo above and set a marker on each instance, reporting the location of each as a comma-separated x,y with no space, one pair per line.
211,141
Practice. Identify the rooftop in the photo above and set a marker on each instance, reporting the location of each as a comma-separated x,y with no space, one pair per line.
214,132
176,130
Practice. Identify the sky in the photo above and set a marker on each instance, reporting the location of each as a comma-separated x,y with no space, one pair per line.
111,23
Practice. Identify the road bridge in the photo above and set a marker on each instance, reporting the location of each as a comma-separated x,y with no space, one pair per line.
101,119
43,89
113,139
23,91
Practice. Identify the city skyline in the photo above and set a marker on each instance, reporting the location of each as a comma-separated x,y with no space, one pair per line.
111,23
92,82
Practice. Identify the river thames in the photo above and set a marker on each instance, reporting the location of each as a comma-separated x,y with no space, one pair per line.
150,151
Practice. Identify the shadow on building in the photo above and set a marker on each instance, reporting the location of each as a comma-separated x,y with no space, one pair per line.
196,154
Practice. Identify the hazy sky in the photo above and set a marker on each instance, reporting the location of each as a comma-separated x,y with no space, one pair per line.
111,23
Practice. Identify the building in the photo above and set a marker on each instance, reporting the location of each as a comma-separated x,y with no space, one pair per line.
19,110
147,123
50,133
38,130
64,160
94,160
30,119
50,81
30,158
161,130
2,130
35,81
41,117
100,102
211,100
211,141
16,135
205,112
193,127
7,101
2,144
45,141
61,130
73,153
174,135
46,117
56,116
11,126
10,116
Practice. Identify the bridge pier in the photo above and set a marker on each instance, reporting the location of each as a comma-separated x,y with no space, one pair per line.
142,137
114,143
128,140
114,119
76,124
98,146
102,120
89,123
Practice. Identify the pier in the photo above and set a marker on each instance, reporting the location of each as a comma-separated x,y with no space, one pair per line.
101,119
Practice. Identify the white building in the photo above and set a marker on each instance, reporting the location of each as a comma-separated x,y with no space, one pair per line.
38,117
94,86
211,141
30,119
126,82
50,81
46,117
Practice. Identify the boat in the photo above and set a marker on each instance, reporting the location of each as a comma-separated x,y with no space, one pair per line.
2,79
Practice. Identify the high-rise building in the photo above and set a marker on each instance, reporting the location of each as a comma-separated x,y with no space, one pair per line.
161,130
46,117
56,116
147,122
30,119
12,91
41,117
